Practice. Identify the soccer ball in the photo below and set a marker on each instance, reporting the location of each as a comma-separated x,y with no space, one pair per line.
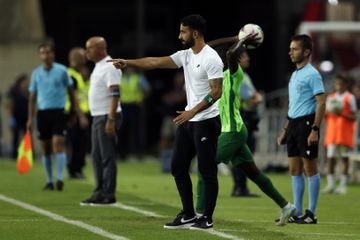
333,105
249,29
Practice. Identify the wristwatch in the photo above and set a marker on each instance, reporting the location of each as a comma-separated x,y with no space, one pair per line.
315,128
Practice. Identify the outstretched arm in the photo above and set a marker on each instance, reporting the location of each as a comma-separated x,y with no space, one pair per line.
146,63
222,41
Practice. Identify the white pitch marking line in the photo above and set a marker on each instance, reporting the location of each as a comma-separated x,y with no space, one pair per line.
130,208
152,214
138,210
60,218
221,234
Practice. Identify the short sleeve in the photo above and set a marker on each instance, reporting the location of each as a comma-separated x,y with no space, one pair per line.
33,85
112,77
214,68
178,58
316,84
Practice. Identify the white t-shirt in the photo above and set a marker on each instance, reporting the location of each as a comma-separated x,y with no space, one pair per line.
103,76
199,69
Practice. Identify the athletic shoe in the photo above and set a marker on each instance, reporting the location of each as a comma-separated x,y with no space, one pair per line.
91,200
285,214
181,221
49,187
98,201
105,201
59,185
308,218
77,175
340,190
292,219
203,223
328,189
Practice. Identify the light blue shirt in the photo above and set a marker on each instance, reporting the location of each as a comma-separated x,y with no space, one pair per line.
304,84
50,86
247,88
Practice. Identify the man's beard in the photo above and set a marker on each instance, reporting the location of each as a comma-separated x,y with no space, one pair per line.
298,60
189,43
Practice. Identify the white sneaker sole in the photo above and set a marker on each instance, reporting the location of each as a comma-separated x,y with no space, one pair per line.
202,229
184,226
97,204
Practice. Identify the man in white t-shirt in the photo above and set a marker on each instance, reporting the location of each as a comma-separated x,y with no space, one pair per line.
105,110
199,124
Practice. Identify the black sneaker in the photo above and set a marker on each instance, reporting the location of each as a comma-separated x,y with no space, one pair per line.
59,185
105,201
77,175
49,187
91,201
308,218
203,223
181,221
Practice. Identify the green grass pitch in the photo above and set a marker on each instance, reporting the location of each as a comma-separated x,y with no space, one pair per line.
142,186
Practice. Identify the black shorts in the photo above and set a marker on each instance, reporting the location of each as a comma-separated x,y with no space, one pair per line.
298,132
51,122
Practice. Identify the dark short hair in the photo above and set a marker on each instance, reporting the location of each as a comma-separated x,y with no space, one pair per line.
241,51
305,40
47,44
195,22
343,78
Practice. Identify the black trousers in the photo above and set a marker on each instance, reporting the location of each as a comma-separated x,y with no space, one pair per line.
131,131
200,139
78,143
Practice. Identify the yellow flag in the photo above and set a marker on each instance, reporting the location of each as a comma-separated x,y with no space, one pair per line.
25,155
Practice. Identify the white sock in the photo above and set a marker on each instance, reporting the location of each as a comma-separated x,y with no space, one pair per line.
331,180
343,180
287,206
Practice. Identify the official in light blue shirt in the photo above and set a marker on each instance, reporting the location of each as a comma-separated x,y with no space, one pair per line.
305,83
50,86
307,103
